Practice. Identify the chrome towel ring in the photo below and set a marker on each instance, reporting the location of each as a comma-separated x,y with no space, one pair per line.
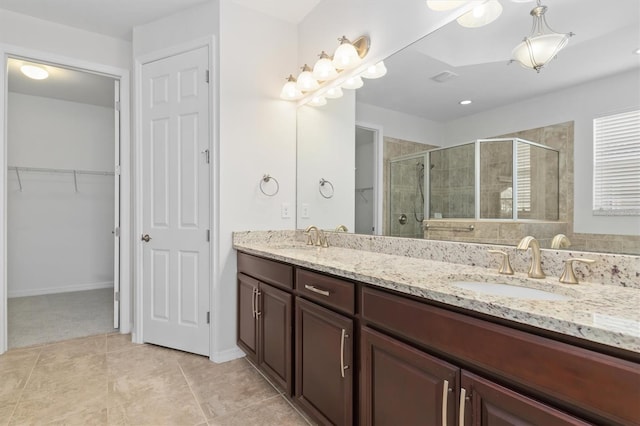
265,180
326,188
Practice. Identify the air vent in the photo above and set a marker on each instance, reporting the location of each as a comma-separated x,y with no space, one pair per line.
444,76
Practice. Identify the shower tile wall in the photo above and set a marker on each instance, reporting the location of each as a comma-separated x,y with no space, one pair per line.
394,148
451,182
496,180
406,199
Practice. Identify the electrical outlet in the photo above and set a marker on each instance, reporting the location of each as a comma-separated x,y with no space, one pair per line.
286,211
305,211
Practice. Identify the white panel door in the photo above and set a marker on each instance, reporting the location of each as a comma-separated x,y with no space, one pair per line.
175,180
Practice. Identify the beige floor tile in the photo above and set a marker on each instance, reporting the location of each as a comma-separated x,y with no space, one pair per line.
119,342
71,349
180,408
59,386
83,366
18,359
199,369
12,383
88,418
6,410
271,412
136,386
140,358
57,406
232,391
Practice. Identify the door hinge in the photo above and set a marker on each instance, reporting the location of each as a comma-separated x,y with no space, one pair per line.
208,235
206,76
208,317
116,296
117,106
116,231
117,169
206,153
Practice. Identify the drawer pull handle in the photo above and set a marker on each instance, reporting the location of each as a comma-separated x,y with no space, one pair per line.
445,400
463,399
342,366
253,302
317,290
258,293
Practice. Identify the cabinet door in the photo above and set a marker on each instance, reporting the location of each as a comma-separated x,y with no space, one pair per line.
324,363
247,318
489,404
274,314
404,386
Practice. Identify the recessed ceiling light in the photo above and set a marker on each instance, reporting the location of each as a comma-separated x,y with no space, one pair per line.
637,51
34,72
465,102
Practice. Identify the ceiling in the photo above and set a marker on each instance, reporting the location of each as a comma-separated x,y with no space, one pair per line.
606,34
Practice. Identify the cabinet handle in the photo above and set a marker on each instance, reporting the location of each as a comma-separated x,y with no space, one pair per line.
317,290
253,302
342,366
463,399
258,293
445,401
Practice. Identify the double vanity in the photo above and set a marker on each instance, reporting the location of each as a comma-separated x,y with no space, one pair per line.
355,334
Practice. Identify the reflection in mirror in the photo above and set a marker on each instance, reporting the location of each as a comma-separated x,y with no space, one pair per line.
421,127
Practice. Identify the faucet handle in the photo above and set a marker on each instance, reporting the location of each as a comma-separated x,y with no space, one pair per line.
505,267
568,275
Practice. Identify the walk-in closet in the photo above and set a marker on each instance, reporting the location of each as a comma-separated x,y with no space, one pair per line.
62,203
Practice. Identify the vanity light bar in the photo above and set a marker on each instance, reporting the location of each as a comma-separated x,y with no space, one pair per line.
331,74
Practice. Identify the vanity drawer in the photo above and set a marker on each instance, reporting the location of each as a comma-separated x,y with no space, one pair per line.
326,290
268,271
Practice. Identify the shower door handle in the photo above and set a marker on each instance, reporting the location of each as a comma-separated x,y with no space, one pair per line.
145,238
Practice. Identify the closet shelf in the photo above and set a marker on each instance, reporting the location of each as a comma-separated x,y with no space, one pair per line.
70,171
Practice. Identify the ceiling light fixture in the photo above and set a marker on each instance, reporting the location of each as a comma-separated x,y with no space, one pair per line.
332,74
542,45
465,102
481,15
34,72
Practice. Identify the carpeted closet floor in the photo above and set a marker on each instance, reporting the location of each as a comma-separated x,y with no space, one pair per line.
35,320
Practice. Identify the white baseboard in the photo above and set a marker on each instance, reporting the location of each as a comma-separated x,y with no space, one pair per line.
64,289
228,355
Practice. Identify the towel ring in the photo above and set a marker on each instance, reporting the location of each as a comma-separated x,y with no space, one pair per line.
326,193
265,179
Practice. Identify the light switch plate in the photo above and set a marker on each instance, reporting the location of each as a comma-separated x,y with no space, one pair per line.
286,210
304,214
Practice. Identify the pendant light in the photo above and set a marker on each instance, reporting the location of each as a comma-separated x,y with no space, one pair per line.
542,45
290,91
324,70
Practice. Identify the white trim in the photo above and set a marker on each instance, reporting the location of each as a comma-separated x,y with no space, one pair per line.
378,158
228,355
62,289
137,335
7,51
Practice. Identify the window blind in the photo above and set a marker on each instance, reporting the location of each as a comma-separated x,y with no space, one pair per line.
523,162
616,164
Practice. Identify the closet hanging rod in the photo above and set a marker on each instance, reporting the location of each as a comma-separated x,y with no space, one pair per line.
71,171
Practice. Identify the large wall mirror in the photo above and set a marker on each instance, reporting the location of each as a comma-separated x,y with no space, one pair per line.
402,156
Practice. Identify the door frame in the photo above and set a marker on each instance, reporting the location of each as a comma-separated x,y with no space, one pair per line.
137,333
7,51
378,159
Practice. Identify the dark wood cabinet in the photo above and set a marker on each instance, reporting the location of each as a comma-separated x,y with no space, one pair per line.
401,385
324,363
485,403
265,317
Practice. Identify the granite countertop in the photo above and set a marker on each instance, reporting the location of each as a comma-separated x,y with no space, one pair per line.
595,312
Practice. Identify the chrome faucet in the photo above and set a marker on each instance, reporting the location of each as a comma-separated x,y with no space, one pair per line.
321,238
535,270
341,228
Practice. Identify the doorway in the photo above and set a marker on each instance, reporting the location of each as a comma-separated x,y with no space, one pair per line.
368,179
63,202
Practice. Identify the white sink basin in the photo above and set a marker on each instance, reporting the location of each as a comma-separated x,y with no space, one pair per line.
508,290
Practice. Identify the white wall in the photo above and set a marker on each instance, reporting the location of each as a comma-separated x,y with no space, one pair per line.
326,149
365,178
59,240
580,104
257,136
400,125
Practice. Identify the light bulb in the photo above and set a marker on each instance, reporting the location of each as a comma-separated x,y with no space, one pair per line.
375,71
334,93
34,72
324,70
318,101
306,82
346,56
290,91
354,82
481,15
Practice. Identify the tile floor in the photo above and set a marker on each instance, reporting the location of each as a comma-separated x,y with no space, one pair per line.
107,380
